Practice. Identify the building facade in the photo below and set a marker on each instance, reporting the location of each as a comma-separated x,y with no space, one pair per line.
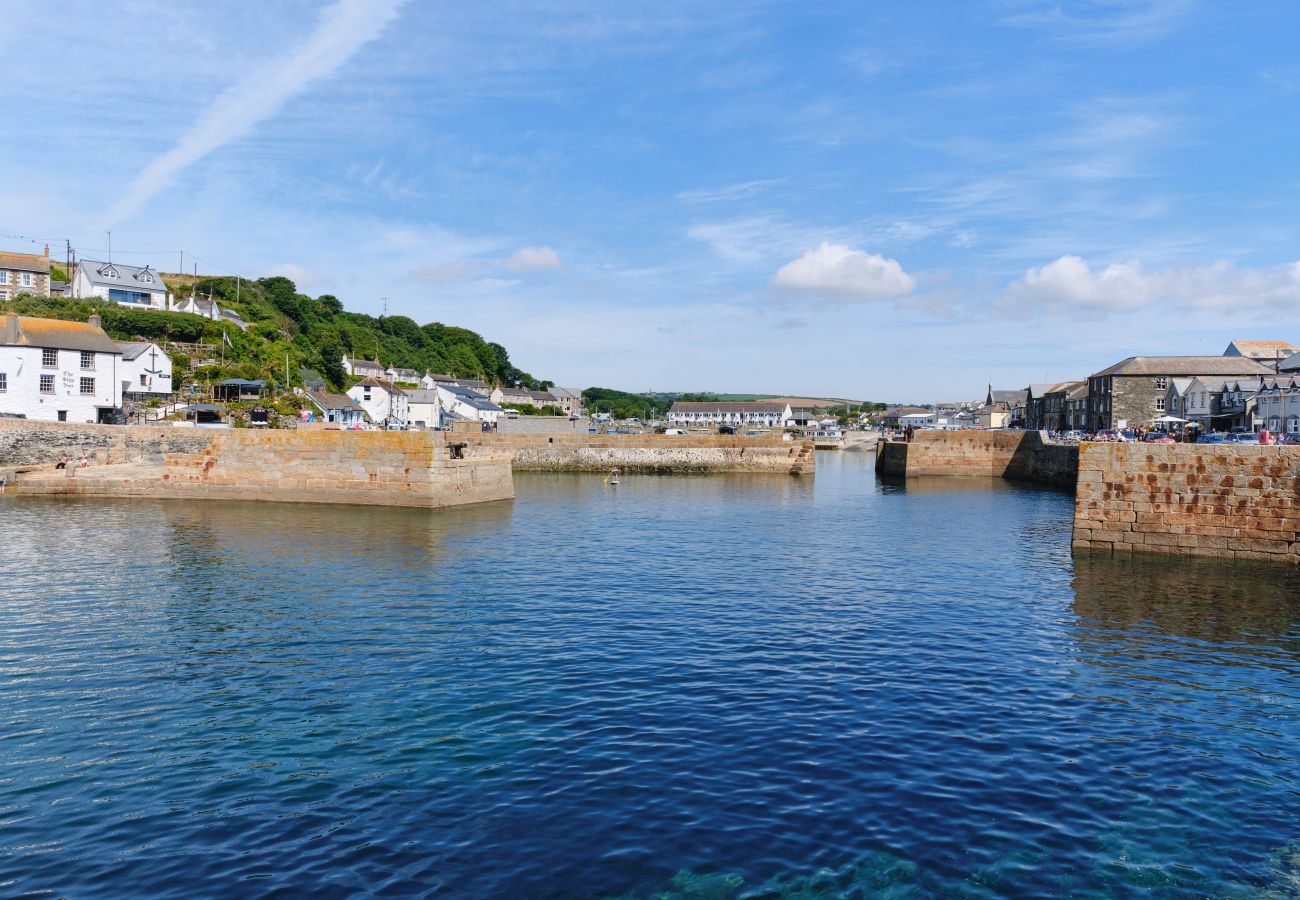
757,413
337,409
145,370
57,371
131,286
24,273
569,400
1132,393
383,401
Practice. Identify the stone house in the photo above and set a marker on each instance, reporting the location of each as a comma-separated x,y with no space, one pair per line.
513,396
569,400
1132,392
1076,407
131,286
1045,406
384,402
24,273
53,370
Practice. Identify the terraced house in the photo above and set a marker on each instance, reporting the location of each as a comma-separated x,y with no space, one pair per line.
1134,392
57,371
24,273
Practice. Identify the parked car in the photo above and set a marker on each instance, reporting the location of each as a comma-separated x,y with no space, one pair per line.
1213,439
1291,440
680,431
1158,437
1073,437
1243,437
1110,435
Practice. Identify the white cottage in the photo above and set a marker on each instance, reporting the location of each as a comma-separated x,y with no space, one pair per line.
145,369
209,309
336,409
384,402
466,403
52,370
423,408
764,413
131,286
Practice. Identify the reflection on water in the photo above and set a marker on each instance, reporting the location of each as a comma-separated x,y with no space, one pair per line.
694,687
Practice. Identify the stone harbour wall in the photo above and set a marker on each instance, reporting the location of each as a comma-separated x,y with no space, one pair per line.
28,443
384,468
1240,502
1016,455
646,453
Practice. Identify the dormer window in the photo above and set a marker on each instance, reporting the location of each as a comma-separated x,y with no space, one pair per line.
145,275
107,271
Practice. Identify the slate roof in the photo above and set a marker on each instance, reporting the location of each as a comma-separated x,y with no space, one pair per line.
421,396
55,334
133,349
120,275
566,393
1270,350
1078,392
380,383
1010,398
542,396
1185,365
326,400
471,398
25,262
1062,387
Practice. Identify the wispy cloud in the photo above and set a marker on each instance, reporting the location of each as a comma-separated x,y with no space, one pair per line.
533,259
344,28
730,192
1099,22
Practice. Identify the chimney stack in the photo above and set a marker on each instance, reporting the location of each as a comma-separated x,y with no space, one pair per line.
11,329
47,251
95,321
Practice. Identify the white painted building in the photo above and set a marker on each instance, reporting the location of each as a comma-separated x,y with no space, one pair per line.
130,286
917,420
363,368
208,309
337,409
384,402
467,403
712,414
145,369
423,407
52,370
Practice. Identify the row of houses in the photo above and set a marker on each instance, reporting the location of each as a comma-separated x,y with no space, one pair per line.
135,287
567,400
58,371
1241,388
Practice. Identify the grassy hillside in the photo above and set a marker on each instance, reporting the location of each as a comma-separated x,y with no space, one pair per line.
310,333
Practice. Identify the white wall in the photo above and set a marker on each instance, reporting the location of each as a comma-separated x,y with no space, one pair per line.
135,374
23,370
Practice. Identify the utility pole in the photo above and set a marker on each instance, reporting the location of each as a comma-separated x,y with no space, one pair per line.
67,259
385,299
110,247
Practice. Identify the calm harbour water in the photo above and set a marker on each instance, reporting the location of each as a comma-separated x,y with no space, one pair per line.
693,687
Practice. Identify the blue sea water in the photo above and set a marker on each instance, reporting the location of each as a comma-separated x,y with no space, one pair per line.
706,687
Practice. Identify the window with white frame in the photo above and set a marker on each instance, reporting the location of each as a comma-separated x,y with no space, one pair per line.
50,358
47,384
4,276
87,386
87,361
27,279
1160,404
1162,383
4,295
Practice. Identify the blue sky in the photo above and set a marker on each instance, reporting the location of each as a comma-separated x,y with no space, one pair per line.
868,199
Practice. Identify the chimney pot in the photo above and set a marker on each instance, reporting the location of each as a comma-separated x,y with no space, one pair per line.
95,321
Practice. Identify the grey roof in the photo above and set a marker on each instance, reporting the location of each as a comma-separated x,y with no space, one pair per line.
55,334
440,378
566,393
1185,365
381,383
544,396
58,287
241,382
1078,392
1290,364
1041,390
133,349
473,383
420,396
120,275
1011,398
469,397
326,400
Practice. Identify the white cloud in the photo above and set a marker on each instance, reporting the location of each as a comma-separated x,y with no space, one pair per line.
344,29
843,271
1070,282
307,281
452,271
533,259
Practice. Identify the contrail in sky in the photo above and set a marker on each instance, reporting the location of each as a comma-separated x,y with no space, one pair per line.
344,28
